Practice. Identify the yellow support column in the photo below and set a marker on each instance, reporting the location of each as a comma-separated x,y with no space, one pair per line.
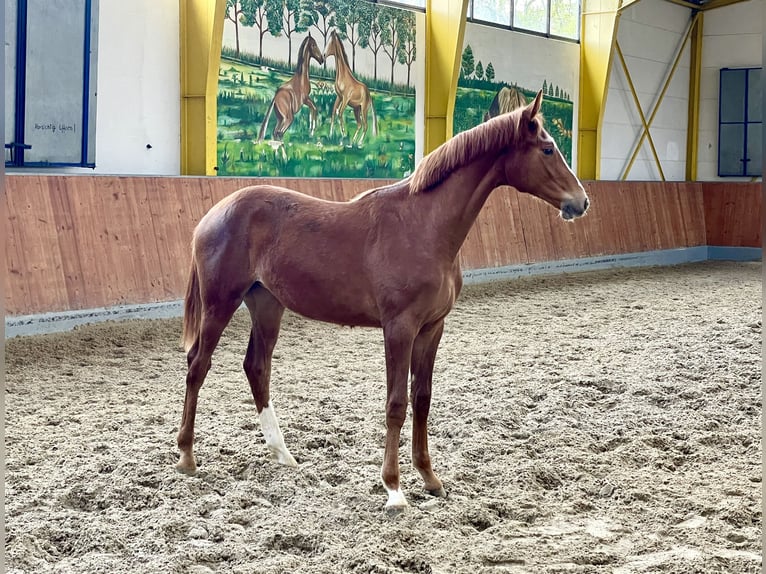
201,27
695,73
597,39
445,28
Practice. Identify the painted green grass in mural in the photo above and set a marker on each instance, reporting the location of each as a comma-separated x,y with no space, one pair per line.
471,104
244,94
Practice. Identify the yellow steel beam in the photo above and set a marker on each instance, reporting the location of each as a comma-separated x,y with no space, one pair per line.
201,31
625,4
695,73
713,4
641,115
598,33
445,29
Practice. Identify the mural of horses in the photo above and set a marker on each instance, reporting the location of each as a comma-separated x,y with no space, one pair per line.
506,100
294,93
350,92
388,259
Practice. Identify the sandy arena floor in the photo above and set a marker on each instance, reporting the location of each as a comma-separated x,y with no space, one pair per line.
603,422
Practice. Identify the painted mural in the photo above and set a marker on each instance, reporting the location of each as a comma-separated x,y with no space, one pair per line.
502,70
316,89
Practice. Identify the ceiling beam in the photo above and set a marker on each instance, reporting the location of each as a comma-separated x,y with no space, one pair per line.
687,4
713,4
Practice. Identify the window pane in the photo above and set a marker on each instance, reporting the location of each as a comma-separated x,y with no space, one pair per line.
10,73
54,90
565,18
531,15
496,11
733,95
754,150
754,100
730,149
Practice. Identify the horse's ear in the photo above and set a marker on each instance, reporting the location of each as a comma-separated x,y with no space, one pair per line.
534,107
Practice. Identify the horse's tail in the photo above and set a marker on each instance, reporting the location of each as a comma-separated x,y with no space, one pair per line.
265,123
374,118
192,308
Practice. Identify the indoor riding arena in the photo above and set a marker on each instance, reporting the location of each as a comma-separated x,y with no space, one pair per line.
596,402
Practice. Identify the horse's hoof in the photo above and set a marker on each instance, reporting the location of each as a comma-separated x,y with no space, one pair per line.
187,470
439,492
186,464
396,500
283,456
287,460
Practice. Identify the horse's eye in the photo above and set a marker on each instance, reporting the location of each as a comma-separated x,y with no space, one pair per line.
548,150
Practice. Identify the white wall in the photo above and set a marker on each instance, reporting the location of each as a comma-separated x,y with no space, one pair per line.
733,38
139,93
650,34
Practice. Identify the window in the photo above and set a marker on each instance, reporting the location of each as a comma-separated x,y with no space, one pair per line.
531,15
495,11
740,137
50,71
553,18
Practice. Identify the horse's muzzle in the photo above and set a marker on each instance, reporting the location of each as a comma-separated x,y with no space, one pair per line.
572,209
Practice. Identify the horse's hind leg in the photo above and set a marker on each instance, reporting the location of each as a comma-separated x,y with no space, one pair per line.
213,322
361,127
423,357
266,314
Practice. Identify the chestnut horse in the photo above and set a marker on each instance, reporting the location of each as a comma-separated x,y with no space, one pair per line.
388,258
350,92
291,95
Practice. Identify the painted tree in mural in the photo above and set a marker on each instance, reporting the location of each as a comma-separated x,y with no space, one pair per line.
348,16
392,23
408,50
288,17
479,71
489,73
233,13
466,62
321,16
254,15
370,34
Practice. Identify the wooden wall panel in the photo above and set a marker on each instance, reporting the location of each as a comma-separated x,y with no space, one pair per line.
78,242
733,214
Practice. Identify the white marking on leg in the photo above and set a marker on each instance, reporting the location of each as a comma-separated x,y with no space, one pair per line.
396,498
274,439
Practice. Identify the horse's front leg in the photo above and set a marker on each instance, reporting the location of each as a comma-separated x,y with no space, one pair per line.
334,113
423,357
398,336
313,120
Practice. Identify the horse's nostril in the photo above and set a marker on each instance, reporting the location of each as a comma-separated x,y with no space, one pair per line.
585,205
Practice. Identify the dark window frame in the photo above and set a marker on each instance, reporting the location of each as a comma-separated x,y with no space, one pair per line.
19,144
745,123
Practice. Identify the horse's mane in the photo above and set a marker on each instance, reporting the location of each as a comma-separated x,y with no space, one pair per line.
302,51
487,138
342,47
